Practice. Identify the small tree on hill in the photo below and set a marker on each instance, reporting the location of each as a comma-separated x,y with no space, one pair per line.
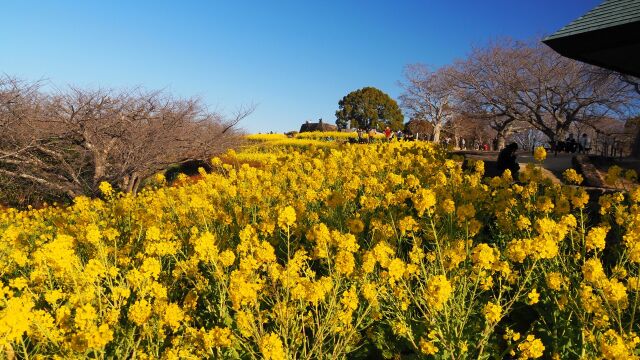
369,108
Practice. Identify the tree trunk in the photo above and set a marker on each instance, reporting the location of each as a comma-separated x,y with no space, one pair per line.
136,185
131,183
98,172
635,150
436,133
124,182
501,139
560,134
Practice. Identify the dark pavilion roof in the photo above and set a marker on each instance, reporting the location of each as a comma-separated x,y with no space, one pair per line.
607,36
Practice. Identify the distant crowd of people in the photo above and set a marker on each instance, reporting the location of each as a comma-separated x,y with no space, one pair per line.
388,134
462,144
366,136
571,145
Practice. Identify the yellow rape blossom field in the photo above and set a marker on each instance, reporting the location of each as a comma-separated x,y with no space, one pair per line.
303,249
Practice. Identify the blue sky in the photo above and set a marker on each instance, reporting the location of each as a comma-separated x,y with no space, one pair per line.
294,59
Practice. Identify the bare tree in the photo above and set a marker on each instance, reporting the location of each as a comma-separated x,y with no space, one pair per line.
483,83
528,139
70,141
473,131
632,128
427,96
558,92
420,128
633,81
33,151
511,83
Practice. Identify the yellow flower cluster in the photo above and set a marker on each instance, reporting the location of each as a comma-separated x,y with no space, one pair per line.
572,177
539,153
492,312
271,347
266,137
438,291
310,248
596,238
530,348
327,134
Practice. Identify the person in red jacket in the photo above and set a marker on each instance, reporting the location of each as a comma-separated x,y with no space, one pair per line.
387,133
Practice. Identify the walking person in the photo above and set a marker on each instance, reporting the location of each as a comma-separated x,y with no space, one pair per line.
371,135
571,144
360,136
585,144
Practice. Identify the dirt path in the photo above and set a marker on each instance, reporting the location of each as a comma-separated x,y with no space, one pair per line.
555,164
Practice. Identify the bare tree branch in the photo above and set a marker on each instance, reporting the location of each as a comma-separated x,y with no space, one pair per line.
71,140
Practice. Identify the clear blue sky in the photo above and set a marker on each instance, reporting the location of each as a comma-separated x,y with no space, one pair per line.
295,59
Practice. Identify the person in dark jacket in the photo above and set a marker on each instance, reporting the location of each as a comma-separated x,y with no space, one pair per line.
507,160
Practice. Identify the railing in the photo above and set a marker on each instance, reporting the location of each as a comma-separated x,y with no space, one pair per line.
613,145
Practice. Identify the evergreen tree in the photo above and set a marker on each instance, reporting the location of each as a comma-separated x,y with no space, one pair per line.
369,108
